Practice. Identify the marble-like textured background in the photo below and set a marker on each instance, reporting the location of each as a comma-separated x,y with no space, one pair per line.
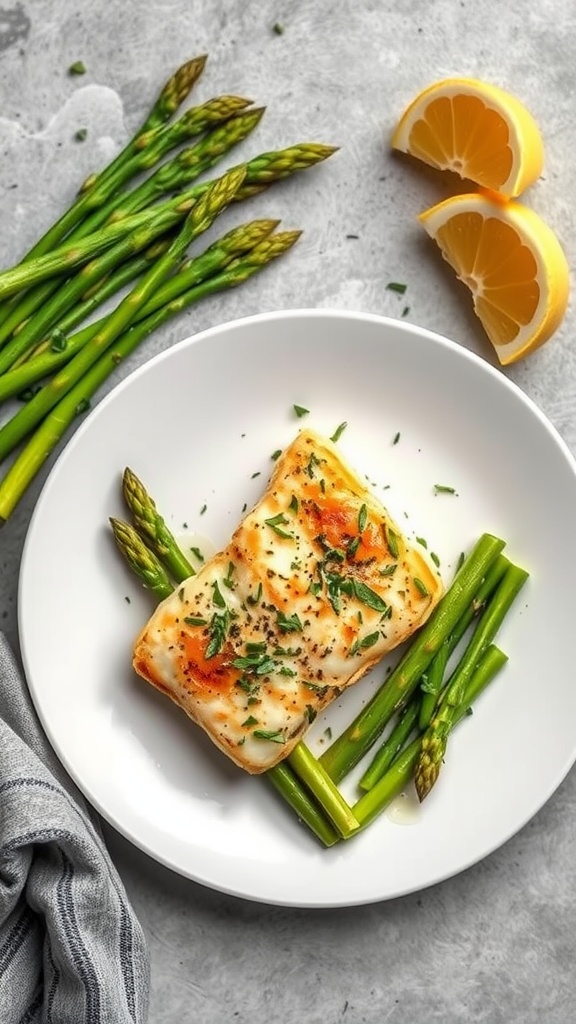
496,945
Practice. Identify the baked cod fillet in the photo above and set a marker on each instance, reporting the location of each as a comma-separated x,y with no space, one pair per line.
315,586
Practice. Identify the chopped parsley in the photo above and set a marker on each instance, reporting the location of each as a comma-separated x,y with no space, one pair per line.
277,523
288,623
267,734
300,411
338,432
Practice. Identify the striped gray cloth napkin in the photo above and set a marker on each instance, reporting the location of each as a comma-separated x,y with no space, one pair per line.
71,948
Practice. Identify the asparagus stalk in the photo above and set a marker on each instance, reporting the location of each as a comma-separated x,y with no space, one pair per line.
198,221
348,749
435,675
181,170
372,803
261,171
421,708
141,560
30,460
210,263
152,527
435,738
187,166
171,96
104,199
403,729
122,167
148,567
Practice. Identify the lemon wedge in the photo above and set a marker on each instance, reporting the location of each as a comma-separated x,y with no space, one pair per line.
477,130
511,261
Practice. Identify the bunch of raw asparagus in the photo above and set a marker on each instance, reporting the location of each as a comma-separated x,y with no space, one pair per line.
124,242
432,688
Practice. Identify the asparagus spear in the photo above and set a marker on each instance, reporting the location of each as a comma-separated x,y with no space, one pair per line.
210,263
200,158
187,166
76,400
435,738
148,567
171,96
122,167
400,773
152,527
260,171
435,674
403,729
394,694
198,221
141,560
421,708
182,169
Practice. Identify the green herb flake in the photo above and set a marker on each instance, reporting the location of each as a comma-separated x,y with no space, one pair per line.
58,341
389,570
369,597
228,581
217,596
294,504
255,598
352,547
362,519
396,437
267,734
277,523
81,134
195,620
276,455
249,721
300,411
435,559
392,542
421,586
444,489
218,631
338,432
396,286
254,475
311,713
28,394
288,623
203,509
460,562
127,599
363,643
405,311
77,68
422,541
197,554
328,733
278,29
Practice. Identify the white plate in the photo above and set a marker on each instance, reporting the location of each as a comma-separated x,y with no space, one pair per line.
196,424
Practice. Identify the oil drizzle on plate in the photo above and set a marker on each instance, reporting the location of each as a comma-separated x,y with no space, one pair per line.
404,809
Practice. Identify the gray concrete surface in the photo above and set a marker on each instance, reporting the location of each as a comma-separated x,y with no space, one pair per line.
497,944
